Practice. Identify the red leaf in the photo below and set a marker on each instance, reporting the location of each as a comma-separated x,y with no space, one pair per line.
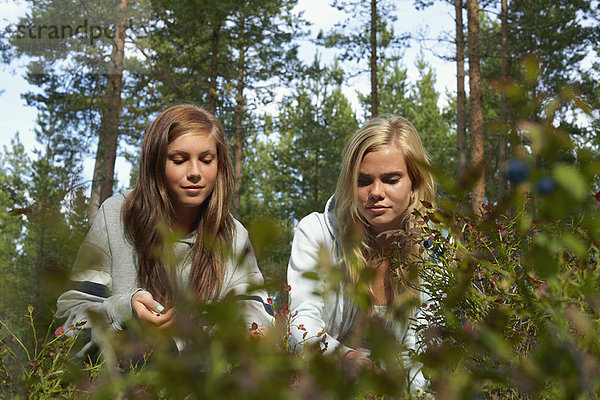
59,331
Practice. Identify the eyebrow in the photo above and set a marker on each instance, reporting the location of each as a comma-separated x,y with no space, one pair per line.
392,173
185,153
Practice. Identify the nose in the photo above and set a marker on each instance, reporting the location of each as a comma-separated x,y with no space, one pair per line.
376,192
194,172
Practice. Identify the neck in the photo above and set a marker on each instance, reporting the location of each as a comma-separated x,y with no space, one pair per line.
384,244
185,220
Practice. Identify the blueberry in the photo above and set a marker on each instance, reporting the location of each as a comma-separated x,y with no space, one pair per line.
545,185
427,244
592,260
517,171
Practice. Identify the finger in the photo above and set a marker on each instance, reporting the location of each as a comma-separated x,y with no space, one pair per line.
146,298
161,319
168,324
165,320
152,305
262,330
143,313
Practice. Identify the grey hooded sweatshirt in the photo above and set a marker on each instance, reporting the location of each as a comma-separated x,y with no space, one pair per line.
104,275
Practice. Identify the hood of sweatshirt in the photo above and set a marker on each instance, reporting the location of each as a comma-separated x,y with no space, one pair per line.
330,219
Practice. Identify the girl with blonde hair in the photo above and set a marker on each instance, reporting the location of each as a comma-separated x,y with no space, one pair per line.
384,179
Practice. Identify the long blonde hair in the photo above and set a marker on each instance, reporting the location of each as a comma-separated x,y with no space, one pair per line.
149,206
355,239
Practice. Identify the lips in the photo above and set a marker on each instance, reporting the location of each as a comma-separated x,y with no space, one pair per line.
378,209
193,189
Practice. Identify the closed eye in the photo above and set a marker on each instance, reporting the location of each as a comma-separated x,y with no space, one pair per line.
362,182
177,160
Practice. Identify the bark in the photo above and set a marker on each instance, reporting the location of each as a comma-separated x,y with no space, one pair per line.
239,116
374,96
476,112
110,104
212,95
504,112
461,98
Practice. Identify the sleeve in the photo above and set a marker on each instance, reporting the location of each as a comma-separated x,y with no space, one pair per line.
89,296
246,282
307,304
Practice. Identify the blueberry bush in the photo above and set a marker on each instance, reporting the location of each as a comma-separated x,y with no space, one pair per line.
509,300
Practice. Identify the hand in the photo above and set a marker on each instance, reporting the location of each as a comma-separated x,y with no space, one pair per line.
353,362
146,309
257,332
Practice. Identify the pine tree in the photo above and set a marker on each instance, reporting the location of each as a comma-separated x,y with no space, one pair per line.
83,48
314,125
395,93
16,280
476,109
431,123
371,37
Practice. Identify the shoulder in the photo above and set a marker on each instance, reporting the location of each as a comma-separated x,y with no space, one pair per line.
313,229
109,214
314,222
239,227
240,236
115,202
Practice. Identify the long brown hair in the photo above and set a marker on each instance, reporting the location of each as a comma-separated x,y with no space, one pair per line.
149,207
375,134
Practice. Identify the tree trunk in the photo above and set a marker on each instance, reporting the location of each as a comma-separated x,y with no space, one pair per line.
461,98
504,113
374,99
476,112
239,116
104,169
212,93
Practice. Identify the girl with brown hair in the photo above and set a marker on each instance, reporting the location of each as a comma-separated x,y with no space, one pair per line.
129,265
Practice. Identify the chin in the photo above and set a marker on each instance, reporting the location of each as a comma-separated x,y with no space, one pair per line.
384,226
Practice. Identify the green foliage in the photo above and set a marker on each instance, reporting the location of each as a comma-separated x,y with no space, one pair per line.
514,298
418,102
36,368
353,34
514,293
43,219
314,125
292,167
16,278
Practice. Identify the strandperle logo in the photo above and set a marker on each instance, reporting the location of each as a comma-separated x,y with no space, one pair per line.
86,31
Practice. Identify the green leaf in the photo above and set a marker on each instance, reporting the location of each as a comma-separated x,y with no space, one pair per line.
571,180
542,261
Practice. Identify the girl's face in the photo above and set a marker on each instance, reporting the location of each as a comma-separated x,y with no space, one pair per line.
191,173
384,188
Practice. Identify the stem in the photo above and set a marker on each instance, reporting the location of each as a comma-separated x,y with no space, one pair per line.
17,339
34,334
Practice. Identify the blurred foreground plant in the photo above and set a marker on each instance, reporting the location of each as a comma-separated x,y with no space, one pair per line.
515,307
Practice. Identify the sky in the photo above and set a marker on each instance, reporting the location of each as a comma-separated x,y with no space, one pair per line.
432,23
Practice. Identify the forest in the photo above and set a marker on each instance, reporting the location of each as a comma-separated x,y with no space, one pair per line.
515,152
